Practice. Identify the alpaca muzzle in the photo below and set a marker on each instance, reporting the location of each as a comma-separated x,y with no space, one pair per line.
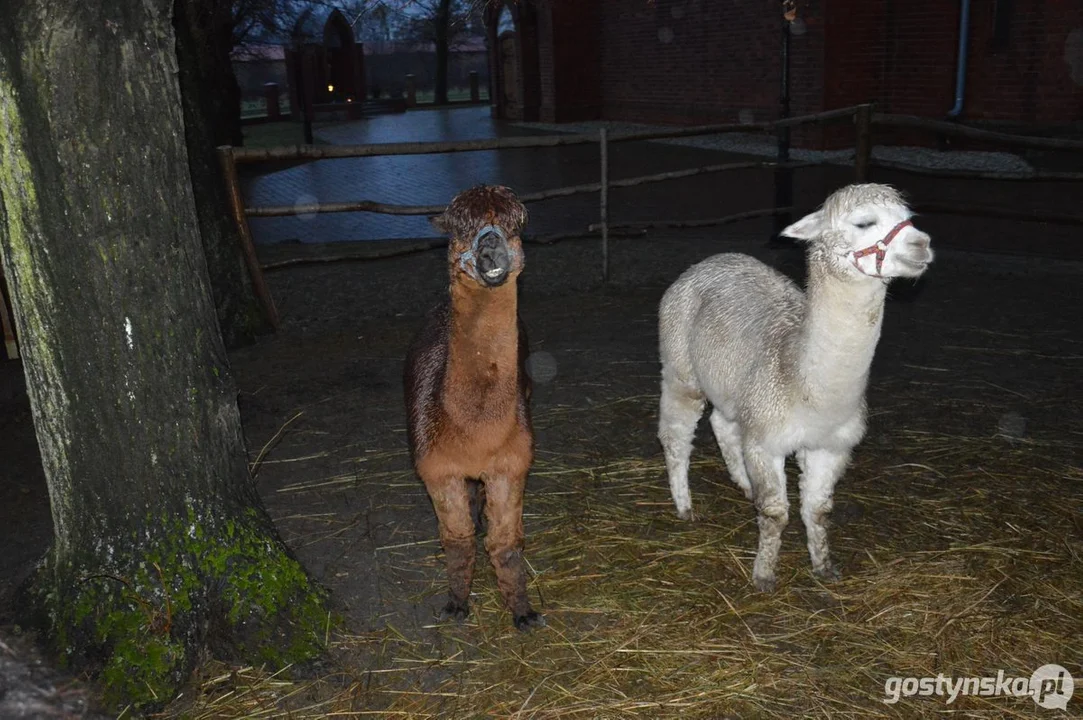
879,249
491,255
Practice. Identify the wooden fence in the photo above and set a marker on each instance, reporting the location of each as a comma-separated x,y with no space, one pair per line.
230,157
865,120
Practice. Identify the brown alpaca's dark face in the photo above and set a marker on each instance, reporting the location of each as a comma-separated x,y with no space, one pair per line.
484,224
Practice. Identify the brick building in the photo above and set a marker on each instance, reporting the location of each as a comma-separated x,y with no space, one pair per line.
694,61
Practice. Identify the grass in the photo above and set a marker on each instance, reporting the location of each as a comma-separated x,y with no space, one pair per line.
454,95
263,135
257,107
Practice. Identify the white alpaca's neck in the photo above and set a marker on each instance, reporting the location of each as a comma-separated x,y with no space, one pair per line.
839,335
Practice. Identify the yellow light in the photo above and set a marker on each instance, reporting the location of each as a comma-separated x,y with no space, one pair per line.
330,88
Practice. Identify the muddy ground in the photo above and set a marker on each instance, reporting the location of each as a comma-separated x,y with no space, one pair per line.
984,345
338,363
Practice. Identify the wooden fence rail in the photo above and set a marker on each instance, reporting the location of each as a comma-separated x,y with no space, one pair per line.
384,208
956,130
865,120
706,222
325,152
950,129
1037,175
1003,213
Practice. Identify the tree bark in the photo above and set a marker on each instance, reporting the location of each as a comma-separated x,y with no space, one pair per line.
162,546
441,34
212,117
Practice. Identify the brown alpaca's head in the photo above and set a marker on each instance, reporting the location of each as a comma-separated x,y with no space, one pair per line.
483,224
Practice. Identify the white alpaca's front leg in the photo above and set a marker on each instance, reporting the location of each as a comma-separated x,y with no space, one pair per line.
768,476
728,435
678,412
820,470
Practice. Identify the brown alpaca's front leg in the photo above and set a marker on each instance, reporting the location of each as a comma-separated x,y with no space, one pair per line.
451,500
504,541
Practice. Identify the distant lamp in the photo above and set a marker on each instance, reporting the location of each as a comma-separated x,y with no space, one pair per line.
330,88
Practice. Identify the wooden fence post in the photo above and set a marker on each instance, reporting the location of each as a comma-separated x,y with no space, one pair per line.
236,204
411,90
603,203
863,147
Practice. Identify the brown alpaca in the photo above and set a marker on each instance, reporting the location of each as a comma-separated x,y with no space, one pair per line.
468,399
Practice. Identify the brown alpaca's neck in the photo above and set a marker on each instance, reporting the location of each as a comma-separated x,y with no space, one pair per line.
483,348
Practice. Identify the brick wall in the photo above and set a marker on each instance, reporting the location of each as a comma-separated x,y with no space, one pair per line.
577,60
569,61
529,45
690,61
1028,78
698,61
902,54
807,66
546,70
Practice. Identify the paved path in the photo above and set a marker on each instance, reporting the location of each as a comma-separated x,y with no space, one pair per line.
435,179
407,180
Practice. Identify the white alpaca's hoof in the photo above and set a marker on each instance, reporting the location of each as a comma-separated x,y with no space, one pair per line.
765,584
685,513
828,573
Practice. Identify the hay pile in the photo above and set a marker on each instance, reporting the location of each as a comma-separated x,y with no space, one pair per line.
969,565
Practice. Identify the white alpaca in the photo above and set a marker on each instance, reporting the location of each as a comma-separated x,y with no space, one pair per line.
784,370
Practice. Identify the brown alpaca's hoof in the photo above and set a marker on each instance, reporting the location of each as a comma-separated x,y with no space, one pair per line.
455,610
529,621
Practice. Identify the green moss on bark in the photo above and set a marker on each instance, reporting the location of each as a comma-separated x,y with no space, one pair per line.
140,610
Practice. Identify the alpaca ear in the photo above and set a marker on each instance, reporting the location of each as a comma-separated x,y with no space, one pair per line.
440,223
807,227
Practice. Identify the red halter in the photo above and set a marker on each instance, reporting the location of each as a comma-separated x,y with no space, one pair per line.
879,249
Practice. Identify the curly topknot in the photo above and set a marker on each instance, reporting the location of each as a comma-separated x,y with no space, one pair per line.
479,206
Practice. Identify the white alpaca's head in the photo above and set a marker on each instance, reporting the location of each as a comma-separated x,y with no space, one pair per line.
866,230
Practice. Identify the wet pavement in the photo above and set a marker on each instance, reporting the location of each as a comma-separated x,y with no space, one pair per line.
435,179
405,180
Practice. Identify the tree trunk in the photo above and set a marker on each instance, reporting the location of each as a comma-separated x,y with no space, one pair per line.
441,33
161,544
212,117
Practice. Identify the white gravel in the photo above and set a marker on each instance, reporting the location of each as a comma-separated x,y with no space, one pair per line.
765,145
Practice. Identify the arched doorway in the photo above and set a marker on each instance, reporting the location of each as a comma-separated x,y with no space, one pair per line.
340,57
508,49
513,60
325,59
